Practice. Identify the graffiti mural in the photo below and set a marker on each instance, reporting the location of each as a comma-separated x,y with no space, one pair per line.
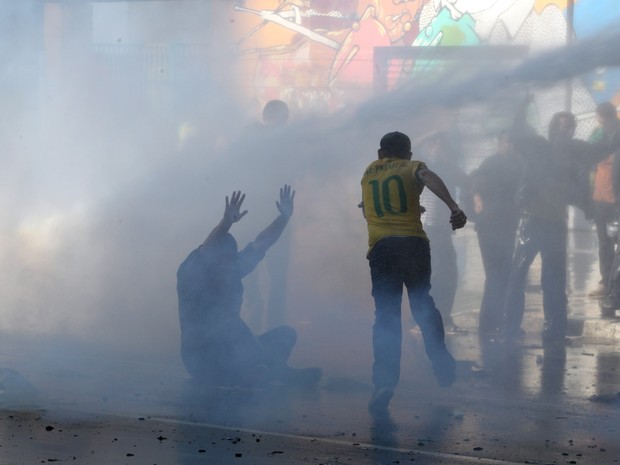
318,54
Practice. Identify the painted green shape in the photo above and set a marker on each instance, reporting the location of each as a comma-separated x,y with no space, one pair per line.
444,30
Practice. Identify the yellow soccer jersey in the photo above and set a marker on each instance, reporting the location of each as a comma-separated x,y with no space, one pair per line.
391,195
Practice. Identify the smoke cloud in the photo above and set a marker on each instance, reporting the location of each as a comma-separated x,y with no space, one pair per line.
103,197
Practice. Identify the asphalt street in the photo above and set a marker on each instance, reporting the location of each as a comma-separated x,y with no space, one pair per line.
510,404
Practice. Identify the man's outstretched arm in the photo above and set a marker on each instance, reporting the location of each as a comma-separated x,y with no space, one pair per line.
232,214
272,233
438,187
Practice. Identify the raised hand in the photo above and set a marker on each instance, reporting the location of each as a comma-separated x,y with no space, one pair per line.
233,212
285,205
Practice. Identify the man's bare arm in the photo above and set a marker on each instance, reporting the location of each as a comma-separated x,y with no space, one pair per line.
438,187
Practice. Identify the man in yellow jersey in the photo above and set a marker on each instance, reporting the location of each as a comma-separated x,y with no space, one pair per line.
399,253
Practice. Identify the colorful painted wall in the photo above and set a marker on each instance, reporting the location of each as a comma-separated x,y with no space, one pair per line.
317,54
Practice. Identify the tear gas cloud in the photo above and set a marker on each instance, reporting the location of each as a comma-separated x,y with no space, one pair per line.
104,197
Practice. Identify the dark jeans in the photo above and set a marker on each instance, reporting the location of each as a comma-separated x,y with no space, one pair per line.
497,244
394,262
231,354
536,235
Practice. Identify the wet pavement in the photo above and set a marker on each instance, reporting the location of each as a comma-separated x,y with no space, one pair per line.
510,404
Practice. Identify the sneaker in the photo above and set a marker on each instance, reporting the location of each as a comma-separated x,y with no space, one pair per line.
378,403
598,292
444,368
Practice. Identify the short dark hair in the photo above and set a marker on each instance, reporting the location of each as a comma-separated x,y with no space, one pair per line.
396,144
555,121
607,111
275,112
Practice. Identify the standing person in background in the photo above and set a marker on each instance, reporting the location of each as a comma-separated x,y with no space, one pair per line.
549,185
605,188
399,254
437,149
496,215
275,116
